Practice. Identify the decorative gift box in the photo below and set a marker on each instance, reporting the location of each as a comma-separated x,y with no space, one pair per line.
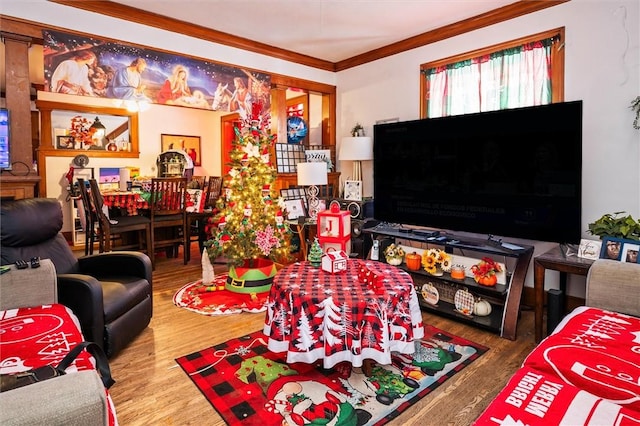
335,261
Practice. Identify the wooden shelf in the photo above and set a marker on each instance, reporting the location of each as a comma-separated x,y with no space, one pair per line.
504,298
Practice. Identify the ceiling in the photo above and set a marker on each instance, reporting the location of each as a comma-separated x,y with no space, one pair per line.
329,30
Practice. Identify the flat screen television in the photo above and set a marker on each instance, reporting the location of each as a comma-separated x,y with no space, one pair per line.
5,154
511,173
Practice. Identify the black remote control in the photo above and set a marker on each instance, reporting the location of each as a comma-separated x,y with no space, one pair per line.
22,264
35,262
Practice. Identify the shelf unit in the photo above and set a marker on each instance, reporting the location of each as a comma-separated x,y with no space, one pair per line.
504,298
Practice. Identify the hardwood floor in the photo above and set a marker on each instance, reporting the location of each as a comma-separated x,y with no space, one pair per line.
151,389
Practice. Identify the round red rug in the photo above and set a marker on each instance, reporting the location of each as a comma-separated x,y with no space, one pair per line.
213,299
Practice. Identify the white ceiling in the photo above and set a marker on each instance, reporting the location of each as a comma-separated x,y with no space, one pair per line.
332,30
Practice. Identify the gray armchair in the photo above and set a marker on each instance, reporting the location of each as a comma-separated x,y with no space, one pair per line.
110,293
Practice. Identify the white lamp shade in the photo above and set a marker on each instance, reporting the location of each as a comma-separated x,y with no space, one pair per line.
312,173
356,148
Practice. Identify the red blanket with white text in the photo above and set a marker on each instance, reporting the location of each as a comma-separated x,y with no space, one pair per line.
41,335
586,373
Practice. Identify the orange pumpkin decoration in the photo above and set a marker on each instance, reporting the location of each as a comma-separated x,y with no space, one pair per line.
414,261
488,280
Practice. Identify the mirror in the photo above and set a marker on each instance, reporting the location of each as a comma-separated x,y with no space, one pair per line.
68,129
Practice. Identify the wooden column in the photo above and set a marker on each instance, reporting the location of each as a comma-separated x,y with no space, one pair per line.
18,98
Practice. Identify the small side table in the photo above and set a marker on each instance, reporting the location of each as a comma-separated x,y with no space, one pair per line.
554,260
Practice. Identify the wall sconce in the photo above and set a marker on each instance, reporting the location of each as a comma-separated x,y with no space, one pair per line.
312,175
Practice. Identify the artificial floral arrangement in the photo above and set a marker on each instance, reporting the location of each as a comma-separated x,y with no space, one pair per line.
394,254
82,131
357,130
435,259
485,271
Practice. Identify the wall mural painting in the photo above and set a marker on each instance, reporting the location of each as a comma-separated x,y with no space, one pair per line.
85,66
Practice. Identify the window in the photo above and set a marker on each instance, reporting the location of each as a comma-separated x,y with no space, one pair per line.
523,72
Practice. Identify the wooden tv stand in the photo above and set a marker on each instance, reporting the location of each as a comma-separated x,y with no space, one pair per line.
504,298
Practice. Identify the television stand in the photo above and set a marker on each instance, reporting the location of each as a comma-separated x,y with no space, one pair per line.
503,297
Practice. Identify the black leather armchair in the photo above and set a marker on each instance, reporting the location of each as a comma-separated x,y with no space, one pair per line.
110,293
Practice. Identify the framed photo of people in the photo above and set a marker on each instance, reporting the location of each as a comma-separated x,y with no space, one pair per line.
620,249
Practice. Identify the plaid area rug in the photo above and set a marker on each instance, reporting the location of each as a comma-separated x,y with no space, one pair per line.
249,385
213,299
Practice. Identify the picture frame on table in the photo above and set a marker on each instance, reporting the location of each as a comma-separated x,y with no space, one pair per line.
589,249
294,208
620,249
353,190
630,252
65,142
190,144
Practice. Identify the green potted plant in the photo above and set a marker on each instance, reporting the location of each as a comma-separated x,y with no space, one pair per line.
357,130
616,225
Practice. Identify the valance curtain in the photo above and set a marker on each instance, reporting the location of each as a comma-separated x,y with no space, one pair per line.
509,78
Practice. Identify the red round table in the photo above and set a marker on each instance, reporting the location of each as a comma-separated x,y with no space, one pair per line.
313,314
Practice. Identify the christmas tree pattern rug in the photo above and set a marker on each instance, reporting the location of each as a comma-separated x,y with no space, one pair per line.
214,299
249,385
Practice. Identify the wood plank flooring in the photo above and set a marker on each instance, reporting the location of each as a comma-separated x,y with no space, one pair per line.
151,389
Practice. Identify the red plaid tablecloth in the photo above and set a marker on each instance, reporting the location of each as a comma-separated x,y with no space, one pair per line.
313,314
131,201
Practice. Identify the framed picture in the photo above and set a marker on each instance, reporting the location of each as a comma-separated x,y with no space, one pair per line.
353,190
294,193
64,142
630,252
294,208
109,175
620,249
189,144
589,249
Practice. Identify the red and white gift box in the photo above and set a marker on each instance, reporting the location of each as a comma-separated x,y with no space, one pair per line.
335,261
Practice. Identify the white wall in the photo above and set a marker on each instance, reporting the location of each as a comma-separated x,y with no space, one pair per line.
602,69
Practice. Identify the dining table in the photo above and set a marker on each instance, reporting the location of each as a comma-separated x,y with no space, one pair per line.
128,202
316,315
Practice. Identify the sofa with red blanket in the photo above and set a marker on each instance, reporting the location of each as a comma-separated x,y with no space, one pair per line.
587,372
35,330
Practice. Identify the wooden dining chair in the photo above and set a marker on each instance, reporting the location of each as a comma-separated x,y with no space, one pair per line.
112,228
196,221
90,217
167,207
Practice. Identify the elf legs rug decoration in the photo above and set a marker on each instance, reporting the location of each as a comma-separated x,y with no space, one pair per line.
248,384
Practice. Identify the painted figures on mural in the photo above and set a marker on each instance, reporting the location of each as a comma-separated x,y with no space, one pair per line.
92,67
71,76
175,87
127,82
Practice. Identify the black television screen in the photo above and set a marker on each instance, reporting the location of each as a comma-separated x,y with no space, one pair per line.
513,173
5,157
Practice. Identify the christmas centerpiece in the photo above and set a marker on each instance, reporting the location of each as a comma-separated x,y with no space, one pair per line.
248,228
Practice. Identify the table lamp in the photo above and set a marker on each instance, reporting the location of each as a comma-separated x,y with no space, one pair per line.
312,175
356,149
99,131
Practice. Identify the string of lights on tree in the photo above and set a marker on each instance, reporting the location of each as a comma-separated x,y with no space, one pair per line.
249,223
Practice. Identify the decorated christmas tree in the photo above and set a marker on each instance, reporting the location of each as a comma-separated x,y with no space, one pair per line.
249,221
315,254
